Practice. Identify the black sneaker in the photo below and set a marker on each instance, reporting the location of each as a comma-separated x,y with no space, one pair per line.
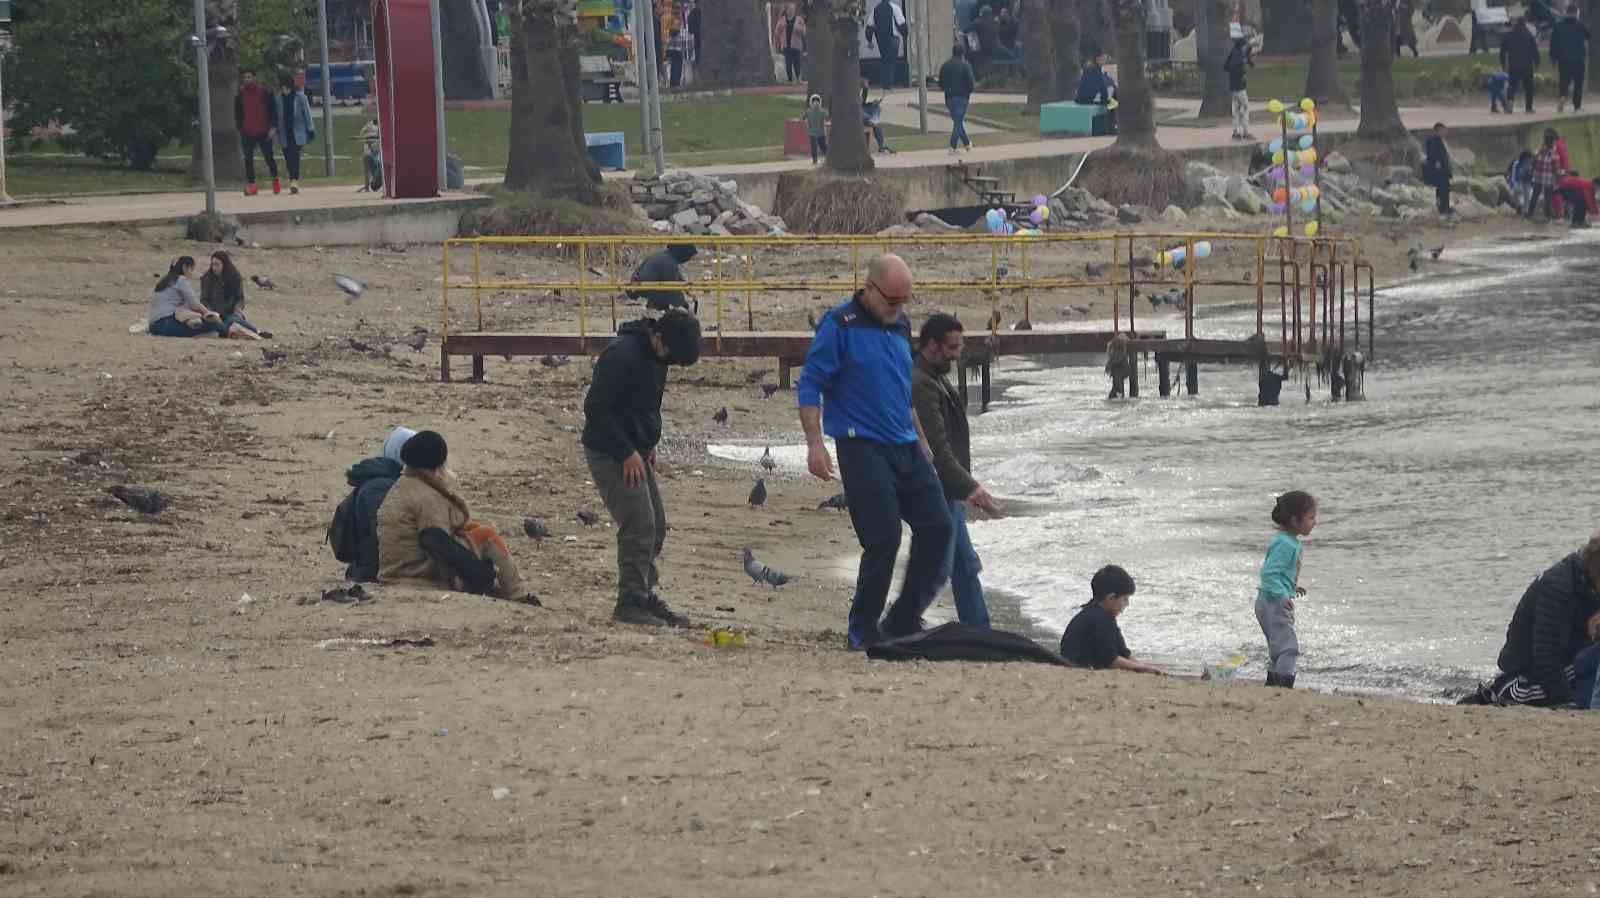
646,610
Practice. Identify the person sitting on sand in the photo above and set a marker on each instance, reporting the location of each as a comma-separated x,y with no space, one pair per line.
222,291
1554,621
1092,638
427,536
175,310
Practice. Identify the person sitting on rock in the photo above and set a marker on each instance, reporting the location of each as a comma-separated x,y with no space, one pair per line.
1554,621
426,535
659,268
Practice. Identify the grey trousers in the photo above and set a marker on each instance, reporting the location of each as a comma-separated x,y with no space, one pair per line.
641,523
1277,624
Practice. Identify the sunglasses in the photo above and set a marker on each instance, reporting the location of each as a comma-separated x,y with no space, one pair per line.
888,297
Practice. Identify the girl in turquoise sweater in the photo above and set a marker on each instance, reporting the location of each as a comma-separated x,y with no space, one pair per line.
1296,515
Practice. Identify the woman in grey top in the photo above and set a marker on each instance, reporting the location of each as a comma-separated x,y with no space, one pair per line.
176,311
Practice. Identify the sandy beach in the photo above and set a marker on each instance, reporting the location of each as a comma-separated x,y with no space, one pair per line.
180,715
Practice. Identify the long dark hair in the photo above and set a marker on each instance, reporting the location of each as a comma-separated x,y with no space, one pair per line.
175,272
1292,505
230,275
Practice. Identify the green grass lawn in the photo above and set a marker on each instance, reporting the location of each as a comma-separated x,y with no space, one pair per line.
1429,78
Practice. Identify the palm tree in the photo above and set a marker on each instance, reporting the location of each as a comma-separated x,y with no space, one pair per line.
1213,44
547,155
1380,114
840,22
1051,26
222,61
735,46
1322,75
1136,112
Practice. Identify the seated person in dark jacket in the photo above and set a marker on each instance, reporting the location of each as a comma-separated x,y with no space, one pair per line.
662,267
222,290
1554,621
370,479
1092,638
1095,86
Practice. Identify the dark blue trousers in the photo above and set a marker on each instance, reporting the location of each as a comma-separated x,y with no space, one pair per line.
887,485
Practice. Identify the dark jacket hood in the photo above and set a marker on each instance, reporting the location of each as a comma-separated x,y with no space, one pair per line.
373,468
639,328
682,252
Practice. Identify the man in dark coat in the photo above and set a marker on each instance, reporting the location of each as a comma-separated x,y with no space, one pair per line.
944,423
621,427
371,479
886,30
1569,47
1519,56
1557,618
1436,168
661,267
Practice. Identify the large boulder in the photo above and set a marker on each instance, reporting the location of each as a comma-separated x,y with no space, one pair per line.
1490,192
1173,215
1196,176
1244,197
1129,215
1337,164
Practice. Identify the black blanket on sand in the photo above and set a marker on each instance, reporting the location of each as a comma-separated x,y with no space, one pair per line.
961,642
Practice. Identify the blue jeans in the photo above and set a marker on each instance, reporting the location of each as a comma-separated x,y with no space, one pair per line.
961,568
957,107
885,485
170,326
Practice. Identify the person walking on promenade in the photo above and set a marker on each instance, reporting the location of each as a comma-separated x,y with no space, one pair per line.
256,115
944,421
1436,168
957,80
1569,48
856,387
295,127
1519,56
621,427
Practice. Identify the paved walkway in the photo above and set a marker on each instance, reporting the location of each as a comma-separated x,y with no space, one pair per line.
166,206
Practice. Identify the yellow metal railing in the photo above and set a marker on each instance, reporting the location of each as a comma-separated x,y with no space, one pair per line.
1130,256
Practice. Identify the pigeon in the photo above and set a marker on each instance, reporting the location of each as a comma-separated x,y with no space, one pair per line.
263,283
143,501
273,356
1094,269
756,377
767,460
1413,255
1023,325
418,339
352,287
588,518
839,502
811,319
758,493
721,417
760,573
1436,252
359,346
768,389
535,528
554,361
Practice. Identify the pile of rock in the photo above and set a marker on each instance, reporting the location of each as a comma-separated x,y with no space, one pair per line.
1208,187
681,203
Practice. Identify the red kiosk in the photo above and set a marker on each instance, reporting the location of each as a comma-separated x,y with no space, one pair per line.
403,44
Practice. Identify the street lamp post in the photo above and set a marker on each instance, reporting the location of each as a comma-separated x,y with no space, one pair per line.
327,89
5,44
203,63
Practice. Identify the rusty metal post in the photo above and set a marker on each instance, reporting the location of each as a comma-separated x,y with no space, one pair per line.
1261,275
1116,294
1190,263
749,292
611,268
716,262
1133,290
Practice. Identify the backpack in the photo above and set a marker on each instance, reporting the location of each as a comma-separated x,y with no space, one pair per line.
344,532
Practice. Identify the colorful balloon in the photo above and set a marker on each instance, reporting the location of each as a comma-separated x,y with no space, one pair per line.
992,218
1040,199
1305,142
1043,211
1276,208
1311,229
1280,231
1309,156
1277,158
1274,106
1308,206
1035,217
1308,104
1307,171
1280,195
1275,144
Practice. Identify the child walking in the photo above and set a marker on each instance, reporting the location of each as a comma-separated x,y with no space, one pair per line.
1238,60
1296,515
1498,86
816,127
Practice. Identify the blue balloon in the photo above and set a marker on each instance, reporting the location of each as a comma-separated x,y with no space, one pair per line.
1305,142
1275,145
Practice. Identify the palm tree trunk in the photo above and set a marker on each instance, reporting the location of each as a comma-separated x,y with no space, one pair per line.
847,144
1322,75
1212,44
222,62
1380,114
1136,119
734,44
1053,34
1284,27
819,50
547,154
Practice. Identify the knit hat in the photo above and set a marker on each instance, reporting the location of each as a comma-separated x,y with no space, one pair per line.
680,331
396,439
426,450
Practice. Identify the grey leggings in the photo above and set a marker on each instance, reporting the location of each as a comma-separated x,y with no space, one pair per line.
1277,624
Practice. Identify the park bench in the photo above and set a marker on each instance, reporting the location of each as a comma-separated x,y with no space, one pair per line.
1074,118
598,79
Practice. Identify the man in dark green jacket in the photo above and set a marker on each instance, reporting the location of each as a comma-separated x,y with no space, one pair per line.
621,427
944,421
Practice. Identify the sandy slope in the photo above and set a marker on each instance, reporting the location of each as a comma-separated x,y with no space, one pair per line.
160,737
